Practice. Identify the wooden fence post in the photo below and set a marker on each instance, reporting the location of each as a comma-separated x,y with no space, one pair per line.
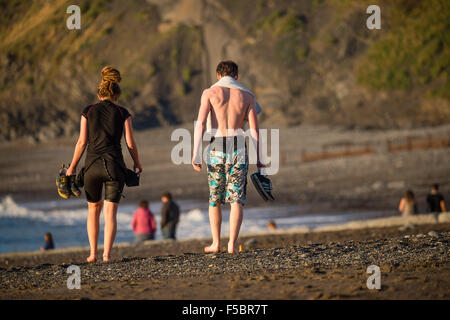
408,143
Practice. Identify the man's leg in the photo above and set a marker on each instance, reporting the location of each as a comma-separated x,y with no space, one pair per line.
110,215
172,233
216,181
215,221
93,227
165,233
236,194
235,225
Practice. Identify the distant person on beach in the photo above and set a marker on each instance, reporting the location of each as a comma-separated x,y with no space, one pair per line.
271,225
435,200
230,105
170,216
143,223
408,204
49,245
102,127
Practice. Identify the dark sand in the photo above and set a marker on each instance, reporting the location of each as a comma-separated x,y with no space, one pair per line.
327,265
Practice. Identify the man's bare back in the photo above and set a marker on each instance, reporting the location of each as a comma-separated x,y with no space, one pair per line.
229,108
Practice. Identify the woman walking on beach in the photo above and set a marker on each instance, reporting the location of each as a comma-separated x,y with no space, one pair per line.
408,204
102,126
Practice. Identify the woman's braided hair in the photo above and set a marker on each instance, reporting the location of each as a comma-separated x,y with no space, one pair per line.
109,85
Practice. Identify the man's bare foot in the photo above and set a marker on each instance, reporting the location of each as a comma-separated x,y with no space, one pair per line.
212,249
232,249
91,259
106,258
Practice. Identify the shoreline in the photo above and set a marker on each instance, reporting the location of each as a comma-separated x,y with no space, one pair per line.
379,223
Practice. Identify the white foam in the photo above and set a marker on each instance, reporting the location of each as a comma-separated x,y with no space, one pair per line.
195,215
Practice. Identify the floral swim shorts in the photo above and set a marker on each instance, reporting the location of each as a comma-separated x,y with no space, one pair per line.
227,176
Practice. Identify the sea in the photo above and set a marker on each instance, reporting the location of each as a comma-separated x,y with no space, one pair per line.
23,224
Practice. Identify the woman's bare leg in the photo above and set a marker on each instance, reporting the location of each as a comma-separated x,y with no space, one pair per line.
215,221
110,215
93,228
235,225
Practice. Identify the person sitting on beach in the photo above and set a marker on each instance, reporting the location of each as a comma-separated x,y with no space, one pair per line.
227,169
271,225
408,204
48,242
101,130
435,200
143,223
170,216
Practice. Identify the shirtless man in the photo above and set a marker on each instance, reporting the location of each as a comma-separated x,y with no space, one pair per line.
227,168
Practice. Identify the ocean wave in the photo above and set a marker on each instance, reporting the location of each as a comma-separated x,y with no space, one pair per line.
9,208
60,215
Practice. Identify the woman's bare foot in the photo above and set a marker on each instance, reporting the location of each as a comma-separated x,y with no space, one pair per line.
106,258
212,249
91,258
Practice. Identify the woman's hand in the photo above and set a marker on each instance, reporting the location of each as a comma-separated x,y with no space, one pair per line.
70,171
137,166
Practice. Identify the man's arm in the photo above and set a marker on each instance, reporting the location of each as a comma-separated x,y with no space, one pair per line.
401,205
254,131
442,203
177,214
200,126
164,212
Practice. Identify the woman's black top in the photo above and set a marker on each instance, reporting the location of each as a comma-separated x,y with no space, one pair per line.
105,124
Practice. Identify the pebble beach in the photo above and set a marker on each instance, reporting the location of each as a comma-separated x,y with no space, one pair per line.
414,264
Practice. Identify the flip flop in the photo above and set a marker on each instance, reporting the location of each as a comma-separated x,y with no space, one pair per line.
263,185
62,184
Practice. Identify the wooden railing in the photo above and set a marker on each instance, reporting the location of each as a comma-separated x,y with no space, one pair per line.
348,151
351,149
419,144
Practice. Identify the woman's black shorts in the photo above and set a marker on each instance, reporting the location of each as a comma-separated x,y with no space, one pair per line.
103,172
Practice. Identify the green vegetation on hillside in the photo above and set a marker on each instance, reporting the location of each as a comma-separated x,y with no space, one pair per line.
414,52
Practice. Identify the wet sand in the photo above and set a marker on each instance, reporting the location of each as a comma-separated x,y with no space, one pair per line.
414,263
